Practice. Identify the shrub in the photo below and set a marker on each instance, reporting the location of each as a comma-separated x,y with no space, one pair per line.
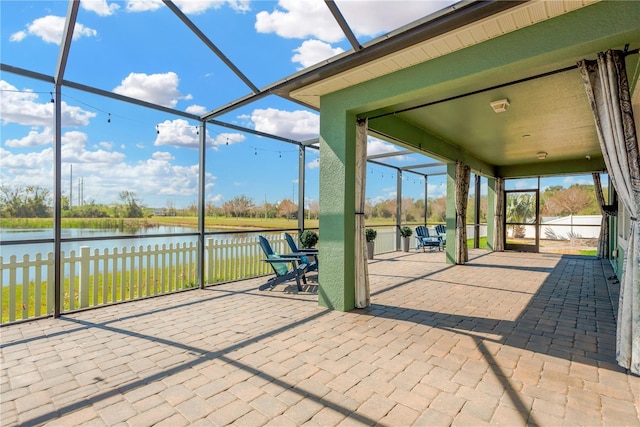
308,238
371,234
406,231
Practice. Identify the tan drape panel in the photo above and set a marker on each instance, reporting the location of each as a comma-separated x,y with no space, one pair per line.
608,93
603,239
463,176
498,226
362,297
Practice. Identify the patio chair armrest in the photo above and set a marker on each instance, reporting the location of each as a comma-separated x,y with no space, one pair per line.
294,255
281,260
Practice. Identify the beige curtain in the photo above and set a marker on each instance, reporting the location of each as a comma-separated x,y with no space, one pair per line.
603,239
362,297
608,93
463,176
498,226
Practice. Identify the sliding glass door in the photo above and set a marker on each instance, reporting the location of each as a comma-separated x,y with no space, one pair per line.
522,220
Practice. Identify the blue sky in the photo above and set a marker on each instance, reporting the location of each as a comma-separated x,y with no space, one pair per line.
142,50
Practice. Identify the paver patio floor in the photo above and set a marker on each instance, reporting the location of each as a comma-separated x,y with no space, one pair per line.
508,339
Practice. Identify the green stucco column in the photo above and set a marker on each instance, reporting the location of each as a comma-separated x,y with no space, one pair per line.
337,207
451,214
491,211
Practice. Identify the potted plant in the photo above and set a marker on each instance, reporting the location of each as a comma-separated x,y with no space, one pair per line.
308,239
370,235
406,232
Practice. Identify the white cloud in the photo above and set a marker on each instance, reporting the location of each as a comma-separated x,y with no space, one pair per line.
522,184
160,89
312,18
18,36
163,156
143,5
436,190
312,52
49,29
300,19
377,146
105,173
216,198
313,164
100,7
32,139
74,150
189,7
298,125
179,133
227,139
21,107
378,17
196,7
18,164
571,180
196,109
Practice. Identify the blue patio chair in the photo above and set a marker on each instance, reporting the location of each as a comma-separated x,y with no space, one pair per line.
442,232
286,267
307,256
425,240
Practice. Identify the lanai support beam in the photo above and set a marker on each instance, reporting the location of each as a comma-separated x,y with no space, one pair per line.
301,178
450,249
337,206
398,208
491,210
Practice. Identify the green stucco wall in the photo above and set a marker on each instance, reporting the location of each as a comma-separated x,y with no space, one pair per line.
451,214
491,212
515,55
337,207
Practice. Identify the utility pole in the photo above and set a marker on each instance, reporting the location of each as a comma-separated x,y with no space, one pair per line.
71,188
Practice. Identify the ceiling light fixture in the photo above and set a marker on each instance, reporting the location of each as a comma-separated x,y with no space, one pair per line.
541,155
500,106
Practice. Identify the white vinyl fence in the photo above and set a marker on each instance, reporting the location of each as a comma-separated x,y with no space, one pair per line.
93,277
564,228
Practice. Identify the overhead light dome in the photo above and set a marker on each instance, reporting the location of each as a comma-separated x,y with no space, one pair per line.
500,106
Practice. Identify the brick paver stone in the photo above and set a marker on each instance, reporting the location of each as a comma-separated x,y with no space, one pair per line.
506,339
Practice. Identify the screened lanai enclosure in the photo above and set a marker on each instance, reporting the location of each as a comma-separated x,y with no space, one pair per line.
114,229
146,145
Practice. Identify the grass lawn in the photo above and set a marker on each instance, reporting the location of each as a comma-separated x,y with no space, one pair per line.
183,221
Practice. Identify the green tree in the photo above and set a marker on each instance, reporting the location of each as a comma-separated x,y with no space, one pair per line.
287,209
385,209
314,209
407,209
417,213
237,207
131,205
25,202
437,209
520,209
577,199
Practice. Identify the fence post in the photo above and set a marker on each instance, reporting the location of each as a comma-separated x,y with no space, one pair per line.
84,277
51,299
208,261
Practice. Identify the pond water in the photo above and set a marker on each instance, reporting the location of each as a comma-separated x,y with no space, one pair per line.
142,237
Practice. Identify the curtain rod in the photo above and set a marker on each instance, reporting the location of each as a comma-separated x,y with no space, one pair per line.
475,92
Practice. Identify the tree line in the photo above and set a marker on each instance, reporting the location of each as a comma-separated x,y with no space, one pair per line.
37,202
